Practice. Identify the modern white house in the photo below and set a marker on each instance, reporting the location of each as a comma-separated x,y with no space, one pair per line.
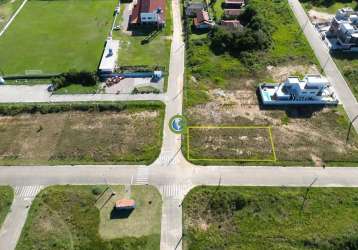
343,30
109,57
312,90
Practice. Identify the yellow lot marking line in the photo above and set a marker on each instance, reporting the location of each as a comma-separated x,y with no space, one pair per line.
229,159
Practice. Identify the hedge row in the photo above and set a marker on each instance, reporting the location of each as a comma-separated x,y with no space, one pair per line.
46,108
140,68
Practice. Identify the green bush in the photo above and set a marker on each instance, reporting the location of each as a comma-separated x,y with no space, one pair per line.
45,108
84,78
255,36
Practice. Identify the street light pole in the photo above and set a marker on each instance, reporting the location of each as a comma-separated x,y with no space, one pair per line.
350,127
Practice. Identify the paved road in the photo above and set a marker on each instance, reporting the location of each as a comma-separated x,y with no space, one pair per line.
332,72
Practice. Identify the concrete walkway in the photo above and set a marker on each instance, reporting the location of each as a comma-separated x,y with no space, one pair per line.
39,93
11,230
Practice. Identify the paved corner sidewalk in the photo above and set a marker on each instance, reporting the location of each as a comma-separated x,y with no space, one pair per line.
15,220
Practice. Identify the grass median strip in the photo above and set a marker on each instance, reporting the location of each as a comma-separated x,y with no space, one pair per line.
6,197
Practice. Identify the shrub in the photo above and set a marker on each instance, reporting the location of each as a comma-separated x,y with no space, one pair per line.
96,191
84,78
256,35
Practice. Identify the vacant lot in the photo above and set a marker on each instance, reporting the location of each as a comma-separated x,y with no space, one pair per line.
109,135
301,136
67,217
230,143
270,218
6,197
55,36
7,8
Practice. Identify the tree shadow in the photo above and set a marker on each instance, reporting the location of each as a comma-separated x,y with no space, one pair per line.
295,111
144,30
345,55
121,214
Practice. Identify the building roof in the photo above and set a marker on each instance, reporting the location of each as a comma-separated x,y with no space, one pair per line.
123,203
202,16
232,12
109,57
146,6
231,23
234,1
196,5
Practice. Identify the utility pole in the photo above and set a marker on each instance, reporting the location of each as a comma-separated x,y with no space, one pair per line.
350,127
306,194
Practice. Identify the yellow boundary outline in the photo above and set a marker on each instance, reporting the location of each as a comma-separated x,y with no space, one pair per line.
231,127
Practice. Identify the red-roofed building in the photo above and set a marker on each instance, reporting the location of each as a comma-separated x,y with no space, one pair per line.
124,204
233,24
148,12
202,20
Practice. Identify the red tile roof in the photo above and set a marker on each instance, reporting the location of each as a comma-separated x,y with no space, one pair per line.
231,23
125,203
201,16
146,6
232,12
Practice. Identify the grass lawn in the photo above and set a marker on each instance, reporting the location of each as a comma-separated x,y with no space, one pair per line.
270,218
132,52
82,134
56,36
145,220
67,217
6,197
77,89
7,8
330,6
348,66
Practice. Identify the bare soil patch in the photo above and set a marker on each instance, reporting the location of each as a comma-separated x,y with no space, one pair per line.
319,17
280,73
299,134
80,137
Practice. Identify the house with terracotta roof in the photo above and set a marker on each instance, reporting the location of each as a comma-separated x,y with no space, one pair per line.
150,12
232,12
232,24
202,20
